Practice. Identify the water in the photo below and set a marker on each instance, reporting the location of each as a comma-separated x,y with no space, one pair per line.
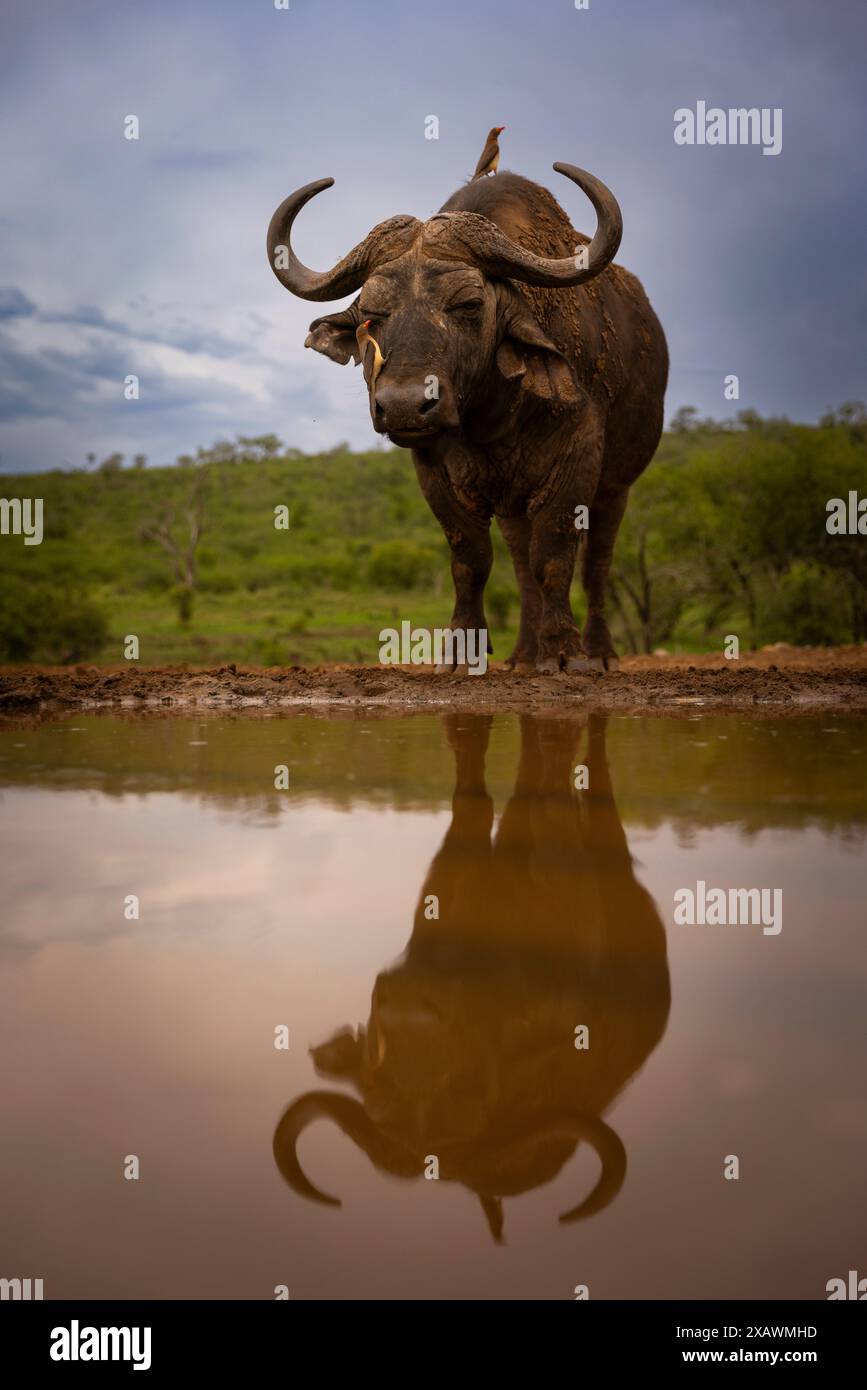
414,1036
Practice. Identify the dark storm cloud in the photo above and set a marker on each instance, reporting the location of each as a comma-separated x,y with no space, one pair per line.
52,382
22,389
187,337
58,403
14,304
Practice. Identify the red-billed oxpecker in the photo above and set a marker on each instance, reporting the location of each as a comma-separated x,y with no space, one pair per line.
490,156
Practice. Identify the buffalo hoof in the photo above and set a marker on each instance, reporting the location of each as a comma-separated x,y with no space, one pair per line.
612,663
524,668
551,667
446,670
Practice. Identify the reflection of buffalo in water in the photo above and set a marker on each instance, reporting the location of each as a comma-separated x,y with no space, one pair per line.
470,1051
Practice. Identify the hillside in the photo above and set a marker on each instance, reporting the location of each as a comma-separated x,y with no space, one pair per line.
725,534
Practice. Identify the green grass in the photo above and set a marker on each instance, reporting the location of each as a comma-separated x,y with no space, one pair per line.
272,629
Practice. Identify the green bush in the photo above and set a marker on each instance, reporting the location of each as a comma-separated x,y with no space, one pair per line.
499,602
399,564
41,623
807,608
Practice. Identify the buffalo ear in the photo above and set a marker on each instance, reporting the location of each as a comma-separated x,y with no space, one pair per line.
341,1056
527,355
334,335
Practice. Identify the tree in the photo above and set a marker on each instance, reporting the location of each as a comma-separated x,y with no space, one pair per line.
851,416
649,579
684,420
181,553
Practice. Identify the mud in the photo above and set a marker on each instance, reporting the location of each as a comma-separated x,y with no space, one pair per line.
780,677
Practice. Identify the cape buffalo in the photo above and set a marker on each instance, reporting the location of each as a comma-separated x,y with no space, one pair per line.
525,372
470,1052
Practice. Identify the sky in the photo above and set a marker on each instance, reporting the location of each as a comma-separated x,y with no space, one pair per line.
147,256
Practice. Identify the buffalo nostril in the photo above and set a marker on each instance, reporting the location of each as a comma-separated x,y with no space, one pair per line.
377,408
428,405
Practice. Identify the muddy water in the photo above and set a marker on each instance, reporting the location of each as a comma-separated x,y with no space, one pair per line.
430,911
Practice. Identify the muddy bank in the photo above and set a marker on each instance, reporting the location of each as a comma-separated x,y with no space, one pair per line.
785,678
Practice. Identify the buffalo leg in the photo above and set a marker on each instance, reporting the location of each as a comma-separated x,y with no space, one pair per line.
516,533
606,515
553,544
469,538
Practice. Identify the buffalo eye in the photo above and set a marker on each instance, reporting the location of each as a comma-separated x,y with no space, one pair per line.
465,306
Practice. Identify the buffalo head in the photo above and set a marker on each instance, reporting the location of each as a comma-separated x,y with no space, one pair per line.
442,308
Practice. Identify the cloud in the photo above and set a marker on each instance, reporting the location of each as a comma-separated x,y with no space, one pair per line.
62,377
14,304
185,336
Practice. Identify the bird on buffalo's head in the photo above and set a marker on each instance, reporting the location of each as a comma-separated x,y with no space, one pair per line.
490,156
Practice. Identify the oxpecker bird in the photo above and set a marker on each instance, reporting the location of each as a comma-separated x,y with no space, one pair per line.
363,336
490,154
